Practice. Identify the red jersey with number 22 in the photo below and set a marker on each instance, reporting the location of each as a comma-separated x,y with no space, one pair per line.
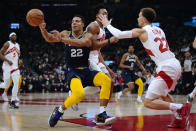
156,45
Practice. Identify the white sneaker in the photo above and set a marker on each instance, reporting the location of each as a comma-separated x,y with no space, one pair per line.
74,107
4,96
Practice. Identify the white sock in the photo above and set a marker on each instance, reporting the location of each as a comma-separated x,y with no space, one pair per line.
102,109
139,97
61,109
174,107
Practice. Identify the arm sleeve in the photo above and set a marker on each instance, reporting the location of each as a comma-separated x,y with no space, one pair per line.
118,33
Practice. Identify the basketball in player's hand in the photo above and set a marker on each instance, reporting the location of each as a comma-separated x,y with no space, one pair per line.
35,17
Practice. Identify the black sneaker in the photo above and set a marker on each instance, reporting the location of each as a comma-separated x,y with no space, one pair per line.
104,119
189,99
54,117
13,105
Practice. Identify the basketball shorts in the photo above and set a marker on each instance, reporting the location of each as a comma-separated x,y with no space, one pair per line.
84,74
166,78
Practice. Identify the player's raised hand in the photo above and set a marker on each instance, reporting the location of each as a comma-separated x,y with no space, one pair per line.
113,39
104,20
42,26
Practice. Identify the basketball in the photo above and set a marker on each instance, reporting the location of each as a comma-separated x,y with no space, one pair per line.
35,17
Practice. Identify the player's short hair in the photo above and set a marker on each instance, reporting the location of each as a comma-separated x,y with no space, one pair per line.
81,17
98,7
149,14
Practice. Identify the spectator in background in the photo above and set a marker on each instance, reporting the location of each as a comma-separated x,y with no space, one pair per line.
187,72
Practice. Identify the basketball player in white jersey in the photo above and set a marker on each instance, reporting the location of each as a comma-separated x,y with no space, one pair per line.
10,53
193,93
168,67
95,58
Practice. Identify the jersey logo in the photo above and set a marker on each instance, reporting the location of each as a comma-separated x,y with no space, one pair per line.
12,50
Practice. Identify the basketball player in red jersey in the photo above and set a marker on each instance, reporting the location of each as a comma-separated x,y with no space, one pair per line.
168,67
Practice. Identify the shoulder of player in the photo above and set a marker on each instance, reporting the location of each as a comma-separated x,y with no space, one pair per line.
65,33
139,30
93,27
125,54
6,44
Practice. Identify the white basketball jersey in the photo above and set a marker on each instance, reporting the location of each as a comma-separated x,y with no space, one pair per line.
12,54
156,45
94,54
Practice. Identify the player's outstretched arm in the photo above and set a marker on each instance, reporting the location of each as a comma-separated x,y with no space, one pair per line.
194,43
134,33
49,37
2,51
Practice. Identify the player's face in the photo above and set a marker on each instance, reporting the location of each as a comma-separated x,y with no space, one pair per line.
131,49
77,24
140,20
103,12
13,38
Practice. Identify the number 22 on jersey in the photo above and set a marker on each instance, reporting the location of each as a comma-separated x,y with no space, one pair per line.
163,44
76,53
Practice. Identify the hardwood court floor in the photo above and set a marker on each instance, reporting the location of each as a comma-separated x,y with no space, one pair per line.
35,109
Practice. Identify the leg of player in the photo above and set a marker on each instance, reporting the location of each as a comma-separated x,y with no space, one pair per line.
19,85
191,95
140,84
76,96
152,101
126,90
4,95
16,78
104,81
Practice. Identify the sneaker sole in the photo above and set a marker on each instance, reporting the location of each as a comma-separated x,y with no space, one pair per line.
108,121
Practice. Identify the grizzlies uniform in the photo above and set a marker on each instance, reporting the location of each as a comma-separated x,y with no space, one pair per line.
77,63
129,75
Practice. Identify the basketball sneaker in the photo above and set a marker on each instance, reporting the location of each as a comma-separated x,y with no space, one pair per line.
183,117
54,117
189,99
4,96
103,119
13,105
74,107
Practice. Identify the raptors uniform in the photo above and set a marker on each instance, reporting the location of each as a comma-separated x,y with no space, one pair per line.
95,64
12,54
168,67
129,75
